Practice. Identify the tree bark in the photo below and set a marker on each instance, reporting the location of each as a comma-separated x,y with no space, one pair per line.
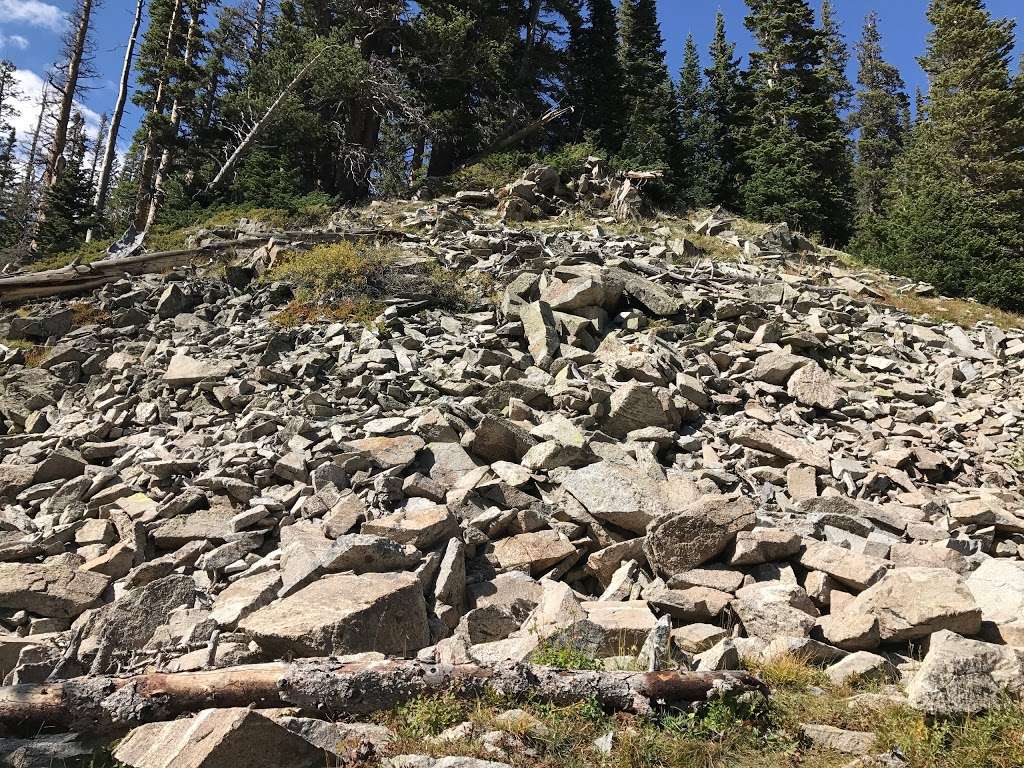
70,86
332,688
106,168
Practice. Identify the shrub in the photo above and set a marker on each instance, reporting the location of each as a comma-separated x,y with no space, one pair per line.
563,655
429,715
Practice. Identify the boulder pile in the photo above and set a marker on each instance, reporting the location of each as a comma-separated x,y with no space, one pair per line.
664,466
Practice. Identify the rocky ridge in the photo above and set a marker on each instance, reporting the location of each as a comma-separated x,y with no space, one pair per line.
660,466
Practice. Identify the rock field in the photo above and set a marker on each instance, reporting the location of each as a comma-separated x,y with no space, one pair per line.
665,467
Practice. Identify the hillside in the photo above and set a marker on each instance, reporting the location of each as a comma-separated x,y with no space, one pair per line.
517,476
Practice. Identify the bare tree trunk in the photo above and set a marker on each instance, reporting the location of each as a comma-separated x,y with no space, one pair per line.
147,168
109,704
167,155
70,86
103,186
101,135
418,151
254,132
33,152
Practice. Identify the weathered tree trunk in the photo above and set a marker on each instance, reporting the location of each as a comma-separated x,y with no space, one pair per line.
70,86
532,18
167,155
332,688
106,168
33,153
147,168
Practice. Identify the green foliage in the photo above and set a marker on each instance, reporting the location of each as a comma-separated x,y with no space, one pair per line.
880,118
652,128
595,78
799,149
494,170
956,201
429,715
689,148
563,655
68,203
723,115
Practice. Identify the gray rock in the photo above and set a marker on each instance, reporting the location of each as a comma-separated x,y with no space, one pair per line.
699,533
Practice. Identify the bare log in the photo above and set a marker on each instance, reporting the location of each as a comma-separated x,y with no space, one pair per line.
85,277
330,688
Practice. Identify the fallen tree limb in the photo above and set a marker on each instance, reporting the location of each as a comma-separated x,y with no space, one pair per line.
85,277
332,688
515,138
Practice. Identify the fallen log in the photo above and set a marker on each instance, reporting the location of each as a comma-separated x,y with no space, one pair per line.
85,277
335,687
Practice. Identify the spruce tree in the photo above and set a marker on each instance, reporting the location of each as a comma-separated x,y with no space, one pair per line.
881,116
799,152
651,120
595,76
10,226
956,214
69,200
722,117
689,151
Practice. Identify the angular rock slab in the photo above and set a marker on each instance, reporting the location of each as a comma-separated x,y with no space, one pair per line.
53,589
911,603
961,676
343,613
697,534
218,738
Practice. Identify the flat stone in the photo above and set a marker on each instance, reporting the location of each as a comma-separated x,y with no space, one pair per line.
811,385
184,371
764,545
856,570
57,588
533,552
862,667
343,613
625,497
422,527
911,603
217,738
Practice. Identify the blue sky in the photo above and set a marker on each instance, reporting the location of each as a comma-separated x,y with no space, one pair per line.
30,32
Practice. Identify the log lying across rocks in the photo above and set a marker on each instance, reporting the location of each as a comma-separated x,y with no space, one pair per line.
85,277
337,687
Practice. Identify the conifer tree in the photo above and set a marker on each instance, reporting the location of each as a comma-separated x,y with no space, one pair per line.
10,228
595,76
881,116
689,151
957,201
651,119
68,202
799,147
722,118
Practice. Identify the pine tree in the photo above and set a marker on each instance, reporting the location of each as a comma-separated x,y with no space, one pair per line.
595,76
835,59
651,122
881,121
68,202
722,116
799,147
689,150
956,215
10,225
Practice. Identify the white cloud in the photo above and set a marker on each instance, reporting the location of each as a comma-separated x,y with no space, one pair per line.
31,87
13,41
35,13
